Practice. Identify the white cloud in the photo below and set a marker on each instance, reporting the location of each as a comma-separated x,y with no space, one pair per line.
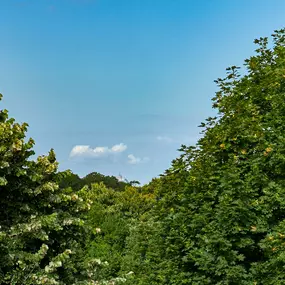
136,160
79,150
164,138
99,151
119,147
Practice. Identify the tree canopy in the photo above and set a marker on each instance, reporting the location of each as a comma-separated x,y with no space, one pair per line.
221,208
43,228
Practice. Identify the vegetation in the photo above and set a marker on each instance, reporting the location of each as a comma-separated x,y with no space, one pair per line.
76,183
217,216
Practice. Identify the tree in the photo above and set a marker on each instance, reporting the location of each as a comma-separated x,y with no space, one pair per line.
111,216
72,180
134,183
41,232
222,203
76,183
109,181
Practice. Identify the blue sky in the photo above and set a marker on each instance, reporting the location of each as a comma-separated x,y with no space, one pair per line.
115,86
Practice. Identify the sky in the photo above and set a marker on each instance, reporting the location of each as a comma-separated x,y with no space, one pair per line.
116,86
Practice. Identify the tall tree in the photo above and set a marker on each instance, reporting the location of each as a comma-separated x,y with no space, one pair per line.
41,233
222,203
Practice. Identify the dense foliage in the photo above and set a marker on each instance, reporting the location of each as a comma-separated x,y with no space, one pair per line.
43,228
40,225
77,183
217,216
221,210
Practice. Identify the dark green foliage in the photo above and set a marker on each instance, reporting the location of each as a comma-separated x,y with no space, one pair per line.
109,181
76,183
72,180
221,206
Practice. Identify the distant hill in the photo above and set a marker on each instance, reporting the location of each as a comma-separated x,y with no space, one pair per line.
74,181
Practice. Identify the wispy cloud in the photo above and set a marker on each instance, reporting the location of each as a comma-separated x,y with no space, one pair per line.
136,160
164,138
99,151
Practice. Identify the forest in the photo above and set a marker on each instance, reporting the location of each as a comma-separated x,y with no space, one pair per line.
216,216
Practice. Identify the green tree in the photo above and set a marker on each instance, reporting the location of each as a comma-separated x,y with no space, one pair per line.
72,180
41,230
111,216
221,205
76,183
109,181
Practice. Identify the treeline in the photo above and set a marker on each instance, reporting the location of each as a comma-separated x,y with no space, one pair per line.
77,183
217,216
